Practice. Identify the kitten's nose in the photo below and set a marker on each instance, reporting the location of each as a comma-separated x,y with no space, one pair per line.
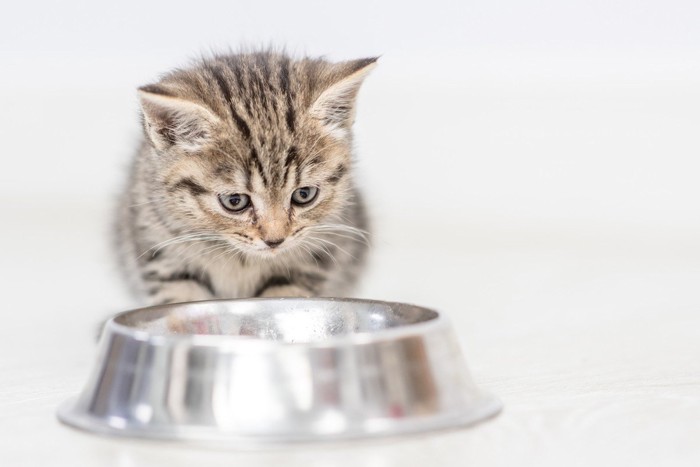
274,243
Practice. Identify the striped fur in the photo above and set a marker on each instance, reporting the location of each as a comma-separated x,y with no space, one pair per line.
259,124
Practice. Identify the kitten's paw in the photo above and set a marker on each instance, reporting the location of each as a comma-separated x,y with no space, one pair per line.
178,292
286,291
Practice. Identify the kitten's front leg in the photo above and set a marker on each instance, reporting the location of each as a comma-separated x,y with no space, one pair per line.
176,289
170,290
279,286
285,291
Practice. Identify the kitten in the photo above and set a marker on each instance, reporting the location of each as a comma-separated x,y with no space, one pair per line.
243,185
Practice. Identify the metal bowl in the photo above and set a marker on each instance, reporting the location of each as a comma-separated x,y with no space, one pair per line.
260,371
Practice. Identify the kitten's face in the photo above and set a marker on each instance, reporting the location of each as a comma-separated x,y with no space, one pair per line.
300,191
266,170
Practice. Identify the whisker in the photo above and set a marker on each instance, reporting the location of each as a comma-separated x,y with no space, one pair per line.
310,253
180,239
324,248
362,240
333,245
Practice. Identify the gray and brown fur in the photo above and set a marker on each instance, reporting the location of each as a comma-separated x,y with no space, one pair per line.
260,124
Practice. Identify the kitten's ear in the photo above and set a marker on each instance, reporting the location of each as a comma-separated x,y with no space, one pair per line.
170,120
335,107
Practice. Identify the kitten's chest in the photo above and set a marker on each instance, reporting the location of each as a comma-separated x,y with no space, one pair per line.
232,278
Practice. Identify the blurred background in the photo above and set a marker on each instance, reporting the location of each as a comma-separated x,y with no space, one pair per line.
531,167
571,123
487,125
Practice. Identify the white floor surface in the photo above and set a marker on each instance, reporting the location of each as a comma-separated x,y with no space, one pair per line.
590,340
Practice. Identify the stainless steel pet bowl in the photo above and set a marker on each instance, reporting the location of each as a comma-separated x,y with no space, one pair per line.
261,371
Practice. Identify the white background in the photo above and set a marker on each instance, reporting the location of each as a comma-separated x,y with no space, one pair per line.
531,167
577,113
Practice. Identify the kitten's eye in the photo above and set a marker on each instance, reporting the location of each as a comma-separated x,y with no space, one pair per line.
236,202
304,195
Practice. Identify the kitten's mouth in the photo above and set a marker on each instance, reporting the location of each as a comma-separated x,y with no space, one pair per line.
258,248
268,251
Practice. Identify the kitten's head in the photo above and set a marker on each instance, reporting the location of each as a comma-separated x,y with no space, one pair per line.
254,148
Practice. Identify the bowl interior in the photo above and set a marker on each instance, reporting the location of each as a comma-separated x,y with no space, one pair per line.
286,320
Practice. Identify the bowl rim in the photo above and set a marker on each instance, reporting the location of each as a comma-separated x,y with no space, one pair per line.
438,322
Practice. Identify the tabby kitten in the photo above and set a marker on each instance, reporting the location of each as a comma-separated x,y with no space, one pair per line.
243,185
